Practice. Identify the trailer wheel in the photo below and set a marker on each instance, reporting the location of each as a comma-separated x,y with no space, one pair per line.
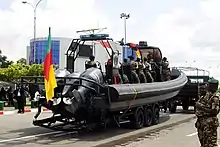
148,117
156,115
137,120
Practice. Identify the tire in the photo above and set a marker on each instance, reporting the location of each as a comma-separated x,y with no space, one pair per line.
148,119
156,115
137,120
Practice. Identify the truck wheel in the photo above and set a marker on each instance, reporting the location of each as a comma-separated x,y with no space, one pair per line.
148,117
137,120
156,115
173,107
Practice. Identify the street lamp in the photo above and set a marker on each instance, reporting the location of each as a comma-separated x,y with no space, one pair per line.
35,8
125,17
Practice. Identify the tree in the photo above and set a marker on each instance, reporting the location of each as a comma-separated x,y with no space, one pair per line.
14,72
35,70
22,61
4,63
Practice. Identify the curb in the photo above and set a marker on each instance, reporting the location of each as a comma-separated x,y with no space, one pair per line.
131,137
26,111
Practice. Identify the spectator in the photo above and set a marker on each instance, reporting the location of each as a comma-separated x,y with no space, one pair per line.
10,97
19,94
3,94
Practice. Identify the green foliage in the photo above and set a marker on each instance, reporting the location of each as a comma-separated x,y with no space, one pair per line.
11,72
22,60
4,63
15,71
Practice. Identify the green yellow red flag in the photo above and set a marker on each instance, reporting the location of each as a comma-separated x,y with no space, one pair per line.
49,74
138,53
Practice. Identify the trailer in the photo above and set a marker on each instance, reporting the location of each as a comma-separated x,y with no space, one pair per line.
96,98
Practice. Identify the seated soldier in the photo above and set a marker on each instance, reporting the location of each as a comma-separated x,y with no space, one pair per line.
140,71
154,67
147,70
115,69
165,69
92,62
124,67
134,76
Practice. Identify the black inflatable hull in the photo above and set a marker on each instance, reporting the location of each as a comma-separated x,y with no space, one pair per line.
123,95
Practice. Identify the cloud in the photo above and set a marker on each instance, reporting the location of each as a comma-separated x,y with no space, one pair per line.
186,34
64,17
183,33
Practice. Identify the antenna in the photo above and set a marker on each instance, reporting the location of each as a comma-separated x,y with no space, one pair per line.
92,31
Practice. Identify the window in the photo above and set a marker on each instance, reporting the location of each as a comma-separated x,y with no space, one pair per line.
85,50
40,53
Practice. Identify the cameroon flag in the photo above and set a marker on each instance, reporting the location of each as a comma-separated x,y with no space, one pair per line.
138,53
49,75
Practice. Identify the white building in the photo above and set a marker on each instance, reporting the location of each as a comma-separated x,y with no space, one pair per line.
59,47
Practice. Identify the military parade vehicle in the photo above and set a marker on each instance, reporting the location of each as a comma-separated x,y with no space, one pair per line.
110,91
189,94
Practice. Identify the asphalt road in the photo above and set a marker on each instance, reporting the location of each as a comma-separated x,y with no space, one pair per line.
18,131
183,135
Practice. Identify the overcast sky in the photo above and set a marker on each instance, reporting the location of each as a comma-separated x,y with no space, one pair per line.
185,30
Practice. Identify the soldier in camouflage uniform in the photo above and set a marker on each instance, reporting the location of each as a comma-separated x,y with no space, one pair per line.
92,62
147,69
125,75
134,76
140,71
165,69
207,109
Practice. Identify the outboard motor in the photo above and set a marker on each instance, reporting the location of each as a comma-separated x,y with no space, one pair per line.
60,82
75,98
62,93
41,89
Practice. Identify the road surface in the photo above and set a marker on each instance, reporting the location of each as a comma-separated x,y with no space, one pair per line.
184,135
18,131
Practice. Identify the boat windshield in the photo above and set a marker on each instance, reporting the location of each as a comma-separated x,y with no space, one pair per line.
154,53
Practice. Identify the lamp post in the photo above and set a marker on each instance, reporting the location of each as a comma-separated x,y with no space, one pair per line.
125,17
35,8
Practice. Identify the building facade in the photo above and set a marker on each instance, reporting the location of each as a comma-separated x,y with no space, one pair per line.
59,47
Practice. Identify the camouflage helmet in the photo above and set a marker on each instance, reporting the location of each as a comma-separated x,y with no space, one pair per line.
213,81
213,84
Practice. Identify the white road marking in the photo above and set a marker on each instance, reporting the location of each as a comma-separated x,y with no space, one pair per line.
193,134
31,136
63,134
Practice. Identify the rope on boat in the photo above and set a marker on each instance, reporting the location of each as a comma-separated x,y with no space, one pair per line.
129,105
135,96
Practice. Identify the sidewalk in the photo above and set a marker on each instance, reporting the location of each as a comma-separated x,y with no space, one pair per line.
12,110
